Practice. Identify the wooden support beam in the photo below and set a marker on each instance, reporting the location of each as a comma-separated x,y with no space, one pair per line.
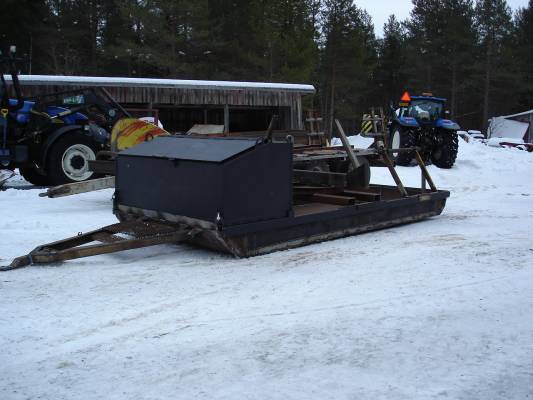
320,178
363,196
70,189
333,199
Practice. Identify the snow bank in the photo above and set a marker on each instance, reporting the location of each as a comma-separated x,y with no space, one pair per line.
358,141
497,141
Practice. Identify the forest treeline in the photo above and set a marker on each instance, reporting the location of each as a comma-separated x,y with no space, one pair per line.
478,54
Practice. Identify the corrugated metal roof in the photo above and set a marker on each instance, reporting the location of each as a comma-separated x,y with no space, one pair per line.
158,83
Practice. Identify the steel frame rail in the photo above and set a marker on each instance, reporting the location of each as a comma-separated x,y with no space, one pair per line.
110,239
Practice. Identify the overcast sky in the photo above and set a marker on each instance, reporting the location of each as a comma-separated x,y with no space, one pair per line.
381,9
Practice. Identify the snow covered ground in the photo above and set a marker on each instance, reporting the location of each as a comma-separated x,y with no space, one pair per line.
437,309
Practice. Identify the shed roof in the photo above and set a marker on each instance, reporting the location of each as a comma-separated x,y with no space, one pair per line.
159,83
519,114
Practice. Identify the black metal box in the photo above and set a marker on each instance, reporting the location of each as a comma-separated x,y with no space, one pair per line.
226,180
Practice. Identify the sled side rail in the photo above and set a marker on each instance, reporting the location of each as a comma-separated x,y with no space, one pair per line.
110,239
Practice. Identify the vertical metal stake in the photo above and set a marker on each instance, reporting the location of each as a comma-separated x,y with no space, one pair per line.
425,173
226,118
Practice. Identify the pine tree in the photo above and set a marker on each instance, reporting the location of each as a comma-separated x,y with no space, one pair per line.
493,18
74,32
25,24
441,43
424,28
289,35
391,71
457,48
348,61
117,35
524,55
235,32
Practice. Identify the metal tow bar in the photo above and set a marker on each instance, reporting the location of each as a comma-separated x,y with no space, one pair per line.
110,239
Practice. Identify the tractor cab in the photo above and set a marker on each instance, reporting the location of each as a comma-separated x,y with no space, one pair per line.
424,109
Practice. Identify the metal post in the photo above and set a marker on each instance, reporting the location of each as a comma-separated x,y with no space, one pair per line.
226,118
425,174
374,123
299,115
530,134
384,127
310,118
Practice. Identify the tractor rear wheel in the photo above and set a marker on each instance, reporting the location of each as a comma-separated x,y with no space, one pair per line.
402,138
68,160
445,155
34,177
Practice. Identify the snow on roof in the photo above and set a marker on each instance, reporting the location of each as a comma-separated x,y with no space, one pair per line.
158,83
519,114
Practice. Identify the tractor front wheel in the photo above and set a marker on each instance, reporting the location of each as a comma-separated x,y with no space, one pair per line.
444,156
68,160
402,138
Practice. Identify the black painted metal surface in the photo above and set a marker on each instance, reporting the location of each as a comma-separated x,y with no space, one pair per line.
244,203
193,148
225,181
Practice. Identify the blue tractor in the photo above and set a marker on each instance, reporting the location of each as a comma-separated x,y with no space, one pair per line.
421,122
51,138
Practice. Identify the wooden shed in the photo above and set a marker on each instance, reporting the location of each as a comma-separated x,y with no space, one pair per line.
239,106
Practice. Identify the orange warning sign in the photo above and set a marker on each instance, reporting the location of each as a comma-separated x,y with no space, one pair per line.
405,98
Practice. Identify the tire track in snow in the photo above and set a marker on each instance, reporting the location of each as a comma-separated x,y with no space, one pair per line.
144,322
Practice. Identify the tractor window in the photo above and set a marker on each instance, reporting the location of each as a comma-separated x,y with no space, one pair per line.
424,110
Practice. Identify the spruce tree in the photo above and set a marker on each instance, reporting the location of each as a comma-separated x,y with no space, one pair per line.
26,24
391,71
441,45
493,19
524,55
348,61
